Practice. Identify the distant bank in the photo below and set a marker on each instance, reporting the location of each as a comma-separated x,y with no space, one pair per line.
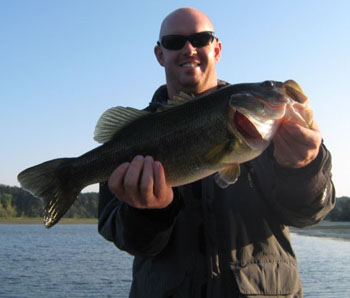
331,229
339,230
16,202
39,221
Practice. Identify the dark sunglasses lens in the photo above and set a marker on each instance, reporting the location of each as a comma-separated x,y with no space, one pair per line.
176,42
201,39
173,42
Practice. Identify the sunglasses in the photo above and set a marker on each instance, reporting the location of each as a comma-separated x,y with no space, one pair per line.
176,42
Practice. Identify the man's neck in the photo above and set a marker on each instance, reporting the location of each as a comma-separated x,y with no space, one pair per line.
176,92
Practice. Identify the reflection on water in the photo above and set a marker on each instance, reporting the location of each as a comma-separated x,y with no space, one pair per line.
75,261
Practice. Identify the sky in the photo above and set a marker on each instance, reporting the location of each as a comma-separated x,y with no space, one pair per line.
63,63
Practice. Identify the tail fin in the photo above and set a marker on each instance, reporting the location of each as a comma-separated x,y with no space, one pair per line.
51,181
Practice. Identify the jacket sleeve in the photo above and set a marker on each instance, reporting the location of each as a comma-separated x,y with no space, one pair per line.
299,197
139,232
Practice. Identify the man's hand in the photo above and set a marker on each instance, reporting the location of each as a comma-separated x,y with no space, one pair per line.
141,184
295,145
298,140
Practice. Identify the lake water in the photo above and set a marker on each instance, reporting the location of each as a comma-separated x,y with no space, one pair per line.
74,261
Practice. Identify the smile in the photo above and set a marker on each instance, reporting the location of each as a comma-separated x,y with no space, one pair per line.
190,64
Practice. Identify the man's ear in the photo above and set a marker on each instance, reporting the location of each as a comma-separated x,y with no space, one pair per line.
159,54
218,49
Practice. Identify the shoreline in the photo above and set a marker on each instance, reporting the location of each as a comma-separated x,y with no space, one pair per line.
325,229
39,221
330,229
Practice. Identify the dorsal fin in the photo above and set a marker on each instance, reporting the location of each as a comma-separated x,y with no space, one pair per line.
176,100
181,98
113,120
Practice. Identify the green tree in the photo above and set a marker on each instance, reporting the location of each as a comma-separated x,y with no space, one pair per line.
6,208
341,211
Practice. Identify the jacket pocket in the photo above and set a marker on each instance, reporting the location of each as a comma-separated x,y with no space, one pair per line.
267,277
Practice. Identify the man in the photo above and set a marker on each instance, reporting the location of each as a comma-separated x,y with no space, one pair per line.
199,240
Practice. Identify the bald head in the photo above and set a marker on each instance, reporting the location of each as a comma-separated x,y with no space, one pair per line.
190,67
180,20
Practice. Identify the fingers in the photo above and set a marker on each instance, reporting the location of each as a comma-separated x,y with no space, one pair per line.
141,184
159,179
132,176
124,181
297,134
295,145
147,179
162,190
116,180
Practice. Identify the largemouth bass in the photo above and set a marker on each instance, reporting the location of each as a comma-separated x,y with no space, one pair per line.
192,138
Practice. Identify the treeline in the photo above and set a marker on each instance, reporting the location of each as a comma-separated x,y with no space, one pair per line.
16,202
341,211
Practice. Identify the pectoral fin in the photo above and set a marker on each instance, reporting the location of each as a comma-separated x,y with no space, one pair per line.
228,175
216,154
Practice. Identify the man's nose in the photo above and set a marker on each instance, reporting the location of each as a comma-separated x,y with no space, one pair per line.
189,49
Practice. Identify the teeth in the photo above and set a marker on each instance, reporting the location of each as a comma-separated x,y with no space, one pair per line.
190,65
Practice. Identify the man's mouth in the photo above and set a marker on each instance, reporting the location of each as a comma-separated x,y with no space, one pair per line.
190,64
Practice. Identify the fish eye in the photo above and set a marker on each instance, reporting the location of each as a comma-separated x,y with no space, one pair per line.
269,84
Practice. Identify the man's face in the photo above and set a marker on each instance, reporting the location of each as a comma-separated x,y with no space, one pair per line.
189,69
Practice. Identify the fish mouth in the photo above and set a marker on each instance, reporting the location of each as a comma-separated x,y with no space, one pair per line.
256,118
255,131
245,127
